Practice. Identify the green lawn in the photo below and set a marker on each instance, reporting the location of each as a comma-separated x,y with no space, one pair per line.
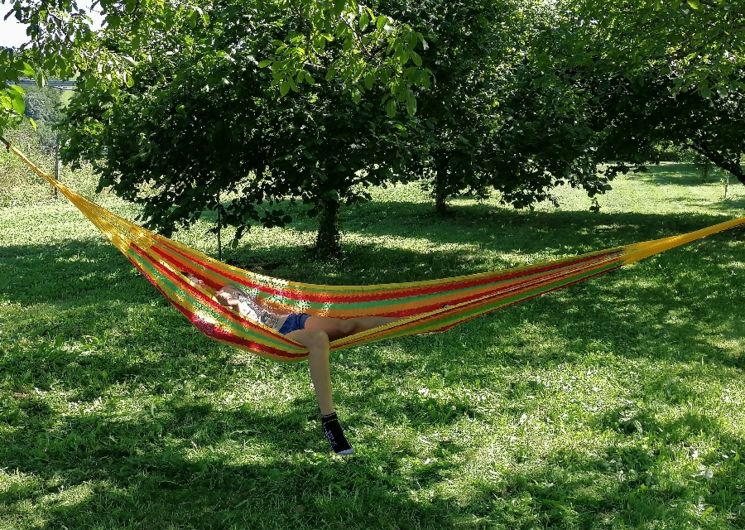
614,404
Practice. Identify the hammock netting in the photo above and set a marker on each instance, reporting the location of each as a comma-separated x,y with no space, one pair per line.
421,307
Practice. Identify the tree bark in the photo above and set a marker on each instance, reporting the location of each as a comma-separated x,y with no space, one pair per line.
733,165
441,187
328,241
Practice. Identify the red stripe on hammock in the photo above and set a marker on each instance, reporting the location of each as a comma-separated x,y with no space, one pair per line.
198,323
531,297
487,299
424,309
367,297
508,290
235,317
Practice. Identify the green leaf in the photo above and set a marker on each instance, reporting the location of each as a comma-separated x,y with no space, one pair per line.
695,4
33,123
284,88
381,21
390,108
28,70
113,20
193,17
364,20
410,103
265,63
425,80
704,89
19,105
402,54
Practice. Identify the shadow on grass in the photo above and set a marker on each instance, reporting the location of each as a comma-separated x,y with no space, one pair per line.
181,466
473,240
682,175
675,174
727,205
182,463
624,486
75,273
172,469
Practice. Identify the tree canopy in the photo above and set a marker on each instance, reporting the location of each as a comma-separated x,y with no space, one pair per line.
202,119
373,49
653,72
246,107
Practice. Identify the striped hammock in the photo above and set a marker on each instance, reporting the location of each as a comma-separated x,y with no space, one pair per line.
421,307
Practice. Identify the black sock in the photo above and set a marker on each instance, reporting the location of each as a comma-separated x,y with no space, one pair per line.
335,434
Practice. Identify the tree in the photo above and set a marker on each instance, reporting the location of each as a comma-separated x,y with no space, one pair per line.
43,105
468,45
541,137
203,119
61,42
493,118
374,50
656,72
12,103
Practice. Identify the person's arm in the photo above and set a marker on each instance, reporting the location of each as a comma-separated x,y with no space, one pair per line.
228,300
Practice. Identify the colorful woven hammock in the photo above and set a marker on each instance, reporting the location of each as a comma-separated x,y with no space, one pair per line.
422,307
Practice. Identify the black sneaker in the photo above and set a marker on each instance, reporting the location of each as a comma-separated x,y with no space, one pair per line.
335,435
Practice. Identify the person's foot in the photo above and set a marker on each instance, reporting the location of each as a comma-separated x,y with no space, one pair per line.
335,435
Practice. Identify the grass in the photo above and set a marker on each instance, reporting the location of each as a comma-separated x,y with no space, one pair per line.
614,404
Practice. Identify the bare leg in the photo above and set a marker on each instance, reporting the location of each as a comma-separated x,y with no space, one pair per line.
365,323
337,328
317,343
315,336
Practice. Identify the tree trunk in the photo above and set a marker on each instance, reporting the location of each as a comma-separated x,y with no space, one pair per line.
56,165
441,187
328,241
219,228
725,181
732,165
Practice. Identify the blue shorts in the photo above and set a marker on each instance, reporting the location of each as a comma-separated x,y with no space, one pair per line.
294,322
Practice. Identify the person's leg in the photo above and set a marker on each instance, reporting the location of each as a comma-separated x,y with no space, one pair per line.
337,328
317,343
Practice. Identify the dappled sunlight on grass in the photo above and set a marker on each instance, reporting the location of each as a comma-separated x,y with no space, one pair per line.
615,403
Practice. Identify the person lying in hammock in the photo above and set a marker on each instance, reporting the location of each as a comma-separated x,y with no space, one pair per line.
313,332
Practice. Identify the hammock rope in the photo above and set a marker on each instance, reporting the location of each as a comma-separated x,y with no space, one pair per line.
421,307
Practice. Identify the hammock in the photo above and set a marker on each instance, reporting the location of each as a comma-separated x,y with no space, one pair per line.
421,307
